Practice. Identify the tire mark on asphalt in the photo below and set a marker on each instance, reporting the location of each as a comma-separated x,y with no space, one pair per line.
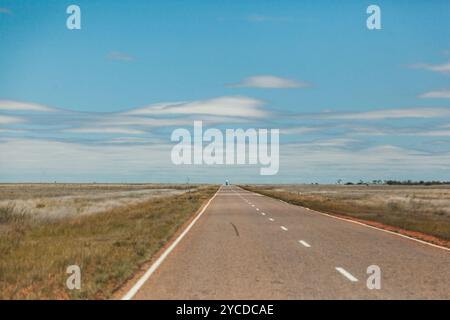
235,229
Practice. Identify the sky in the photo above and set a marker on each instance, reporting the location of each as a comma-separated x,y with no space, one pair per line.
100,103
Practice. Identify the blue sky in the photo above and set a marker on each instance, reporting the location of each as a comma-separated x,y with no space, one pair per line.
351,103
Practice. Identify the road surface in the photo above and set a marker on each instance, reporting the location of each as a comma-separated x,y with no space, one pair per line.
248,246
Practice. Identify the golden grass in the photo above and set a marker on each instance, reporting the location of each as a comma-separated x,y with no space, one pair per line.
415,208
109,247
61,201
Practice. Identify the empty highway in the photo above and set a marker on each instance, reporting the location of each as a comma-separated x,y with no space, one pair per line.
248,246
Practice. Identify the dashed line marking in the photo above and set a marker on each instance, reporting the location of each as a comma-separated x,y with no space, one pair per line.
304,243
263,213
257,209
284,228
346,274
271,219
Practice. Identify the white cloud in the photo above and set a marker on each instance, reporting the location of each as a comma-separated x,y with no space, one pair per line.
438,94
327,143
129,140
435,133
442,68
269,82
10,119
23,106
386,114
106,130
379,162
120,56
123,120
227,106
299,130
326,160
70,159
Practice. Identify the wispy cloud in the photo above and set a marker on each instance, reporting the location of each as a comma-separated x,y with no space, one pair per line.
227,106
442,68
299,130
23,119
328,143
101,130
34,160
258,18
5,11
120,56
10,119
269,82
383,114
438,94
23,106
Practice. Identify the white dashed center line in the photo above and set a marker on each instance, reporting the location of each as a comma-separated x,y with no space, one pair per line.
304,243
253,205
284,228
271,219
263,213
257,209
346,274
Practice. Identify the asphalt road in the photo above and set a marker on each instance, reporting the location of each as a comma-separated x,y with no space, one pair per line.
248,246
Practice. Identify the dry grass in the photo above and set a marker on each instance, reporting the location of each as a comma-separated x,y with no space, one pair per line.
424,209
23,191
109,246
60,201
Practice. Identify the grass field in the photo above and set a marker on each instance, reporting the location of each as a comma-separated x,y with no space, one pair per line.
59,201
425,209
109,245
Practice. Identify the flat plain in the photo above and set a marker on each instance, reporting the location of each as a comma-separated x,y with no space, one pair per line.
424,209
108,230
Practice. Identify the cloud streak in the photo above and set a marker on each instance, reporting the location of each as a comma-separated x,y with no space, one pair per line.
269,82
441,68
226,106
23,106
258,18
119,56
438,94
10,119
5,11
383,114
100,130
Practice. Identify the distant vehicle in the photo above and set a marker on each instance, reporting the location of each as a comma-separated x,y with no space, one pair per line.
227,182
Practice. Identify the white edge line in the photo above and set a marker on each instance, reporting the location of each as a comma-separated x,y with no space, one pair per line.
346,274
130,294
369,226
304,243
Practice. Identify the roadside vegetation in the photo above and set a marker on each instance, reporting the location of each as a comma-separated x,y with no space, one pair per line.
424,209
108,246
